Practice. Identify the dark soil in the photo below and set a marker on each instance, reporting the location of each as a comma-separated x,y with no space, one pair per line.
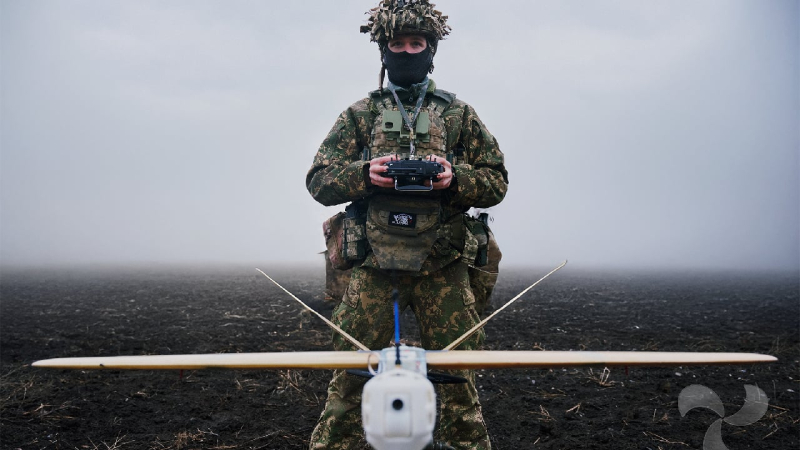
61,313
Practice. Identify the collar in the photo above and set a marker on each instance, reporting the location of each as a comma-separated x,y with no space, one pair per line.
376,94
412,92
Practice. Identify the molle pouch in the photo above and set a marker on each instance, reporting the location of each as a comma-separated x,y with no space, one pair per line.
355,234
470,251
476,243
393,123
333,229
390,136
401,230
393,127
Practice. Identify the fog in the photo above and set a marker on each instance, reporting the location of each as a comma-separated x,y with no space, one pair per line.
636,134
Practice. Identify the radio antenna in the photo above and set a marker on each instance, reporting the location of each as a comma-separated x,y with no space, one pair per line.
396,300
480,325
330,324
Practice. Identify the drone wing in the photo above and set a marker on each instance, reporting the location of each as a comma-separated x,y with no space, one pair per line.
487,359
443,360
280,360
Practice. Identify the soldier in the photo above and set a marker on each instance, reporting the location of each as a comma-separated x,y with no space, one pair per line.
419,241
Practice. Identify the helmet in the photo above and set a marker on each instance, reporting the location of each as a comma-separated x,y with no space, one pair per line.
393,17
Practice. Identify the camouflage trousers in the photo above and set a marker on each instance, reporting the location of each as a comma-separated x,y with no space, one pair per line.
443,306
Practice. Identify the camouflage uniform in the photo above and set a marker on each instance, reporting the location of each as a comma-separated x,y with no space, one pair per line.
439,293
481,279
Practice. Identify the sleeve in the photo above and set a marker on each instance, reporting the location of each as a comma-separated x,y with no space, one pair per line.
482,181
338,174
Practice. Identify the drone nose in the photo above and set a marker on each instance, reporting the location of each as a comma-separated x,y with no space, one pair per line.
397,404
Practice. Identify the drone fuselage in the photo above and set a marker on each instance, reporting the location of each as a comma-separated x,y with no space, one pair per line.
398,404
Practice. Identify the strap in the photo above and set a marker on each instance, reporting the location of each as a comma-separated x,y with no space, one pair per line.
410,122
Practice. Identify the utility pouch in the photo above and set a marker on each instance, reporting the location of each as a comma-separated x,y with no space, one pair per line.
333,229
476,242
393,125
401,230
355,234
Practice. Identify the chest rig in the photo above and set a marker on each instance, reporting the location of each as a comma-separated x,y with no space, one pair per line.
390,135
401,226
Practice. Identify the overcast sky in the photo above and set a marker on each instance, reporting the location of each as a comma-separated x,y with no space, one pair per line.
636,134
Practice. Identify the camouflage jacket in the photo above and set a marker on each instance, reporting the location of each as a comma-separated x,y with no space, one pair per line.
339,174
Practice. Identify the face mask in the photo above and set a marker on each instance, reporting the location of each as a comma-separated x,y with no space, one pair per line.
406,68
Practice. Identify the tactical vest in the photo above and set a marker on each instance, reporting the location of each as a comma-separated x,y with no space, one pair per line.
403,227
389,135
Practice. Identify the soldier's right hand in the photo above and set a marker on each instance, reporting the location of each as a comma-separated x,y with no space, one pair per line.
377,169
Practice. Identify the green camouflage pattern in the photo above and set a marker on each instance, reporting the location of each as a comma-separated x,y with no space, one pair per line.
431,141
334,232
439,292
443,306
414,16
396,247
481,279
338,174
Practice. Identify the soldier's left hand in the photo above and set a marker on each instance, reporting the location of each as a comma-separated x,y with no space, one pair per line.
446,177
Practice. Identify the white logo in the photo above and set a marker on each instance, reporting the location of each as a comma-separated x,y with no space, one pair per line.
403,219
699,396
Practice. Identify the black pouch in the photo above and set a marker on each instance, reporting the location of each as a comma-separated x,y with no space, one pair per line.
476,242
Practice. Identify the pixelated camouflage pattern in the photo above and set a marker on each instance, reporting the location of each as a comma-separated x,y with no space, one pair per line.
439,292
333,230
397,247
338,173
355,238
415,16
471,247
481,280
443,306
390,143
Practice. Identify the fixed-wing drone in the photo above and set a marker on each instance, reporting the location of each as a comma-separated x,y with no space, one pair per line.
399,402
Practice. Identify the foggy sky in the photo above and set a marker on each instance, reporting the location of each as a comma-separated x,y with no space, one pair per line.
636,134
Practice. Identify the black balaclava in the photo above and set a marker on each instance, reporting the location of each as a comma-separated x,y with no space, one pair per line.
406,68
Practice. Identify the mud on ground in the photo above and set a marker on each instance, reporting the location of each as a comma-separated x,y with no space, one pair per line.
103,312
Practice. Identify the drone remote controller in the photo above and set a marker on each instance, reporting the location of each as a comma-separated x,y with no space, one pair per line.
411,174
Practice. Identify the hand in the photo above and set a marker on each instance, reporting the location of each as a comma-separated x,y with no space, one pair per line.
376,168
446,177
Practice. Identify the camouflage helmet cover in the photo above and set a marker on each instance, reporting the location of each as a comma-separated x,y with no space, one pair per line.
392,17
